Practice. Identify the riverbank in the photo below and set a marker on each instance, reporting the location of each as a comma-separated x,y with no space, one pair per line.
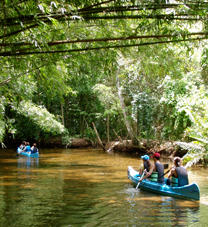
167,149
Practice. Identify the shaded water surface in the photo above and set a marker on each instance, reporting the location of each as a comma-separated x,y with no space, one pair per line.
88,188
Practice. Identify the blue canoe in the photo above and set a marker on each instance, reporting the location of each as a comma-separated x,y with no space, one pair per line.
35,155
190,191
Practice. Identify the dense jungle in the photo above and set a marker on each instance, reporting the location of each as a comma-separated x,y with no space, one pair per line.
94,72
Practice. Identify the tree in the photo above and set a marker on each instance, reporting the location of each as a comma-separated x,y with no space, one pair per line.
110,103
37,39
34,28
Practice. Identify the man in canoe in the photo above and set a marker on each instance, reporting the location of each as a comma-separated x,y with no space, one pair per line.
144,165
178,174
156,170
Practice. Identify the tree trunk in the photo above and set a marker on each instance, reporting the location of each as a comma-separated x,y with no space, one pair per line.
99,140
127,122
108,133
62,113
119,138
67,111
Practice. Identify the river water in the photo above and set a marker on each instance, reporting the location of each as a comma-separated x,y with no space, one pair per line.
83,187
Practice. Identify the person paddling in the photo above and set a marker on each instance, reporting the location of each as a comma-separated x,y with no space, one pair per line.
158,174
22,145
151,167
156,170
34,149
27,147
144,165
178,174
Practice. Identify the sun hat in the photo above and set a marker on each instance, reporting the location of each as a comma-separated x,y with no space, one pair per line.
145,157
156,155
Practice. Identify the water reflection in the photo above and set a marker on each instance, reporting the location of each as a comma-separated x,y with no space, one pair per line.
162,210
27,162
87,188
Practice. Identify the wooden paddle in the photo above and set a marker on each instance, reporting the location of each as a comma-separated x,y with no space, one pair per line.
140,181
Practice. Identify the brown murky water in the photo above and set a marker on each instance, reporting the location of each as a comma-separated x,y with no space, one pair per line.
88,188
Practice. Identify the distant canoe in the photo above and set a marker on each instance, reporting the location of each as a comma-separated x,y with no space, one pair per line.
35,155
190,191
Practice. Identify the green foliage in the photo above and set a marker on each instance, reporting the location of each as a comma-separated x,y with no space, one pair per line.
38,122
143,114
196,152
42,65
195,106
175,94
2,122
197,112
90,134
175,120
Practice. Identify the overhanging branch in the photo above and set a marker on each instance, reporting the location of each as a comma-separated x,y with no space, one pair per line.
61,42
19,75
98,48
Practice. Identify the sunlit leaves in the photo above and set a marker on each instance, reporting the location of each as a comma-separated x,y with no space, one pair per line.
41,117
105,95
195,107
37,27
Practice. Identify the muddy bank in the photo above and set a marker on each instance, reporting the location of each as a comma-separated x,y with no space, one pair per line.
70,143
166,148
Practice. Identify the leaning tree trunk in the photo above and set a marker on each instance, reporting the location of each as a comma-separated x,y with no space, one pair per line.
62,112
108,130
98,137
67,111
127,122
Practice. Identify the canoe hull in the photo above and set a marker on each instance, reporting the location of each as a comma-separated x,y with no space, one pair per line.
185,192
35,155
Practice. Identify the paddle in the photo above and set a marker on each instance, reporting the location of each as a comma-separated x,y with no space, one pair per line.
166,172
140,181
166,166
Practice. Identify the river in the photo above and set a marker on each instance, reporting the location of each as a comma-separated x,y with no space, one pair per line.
85,187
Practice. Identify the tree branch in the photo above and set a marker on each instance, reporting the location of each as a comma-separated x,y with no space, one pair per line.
86,12
15,77
101,3
98,48
61,42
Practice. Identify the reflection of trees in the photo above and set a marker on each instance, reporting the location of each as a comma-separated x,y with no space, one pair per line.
45,194
163,211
